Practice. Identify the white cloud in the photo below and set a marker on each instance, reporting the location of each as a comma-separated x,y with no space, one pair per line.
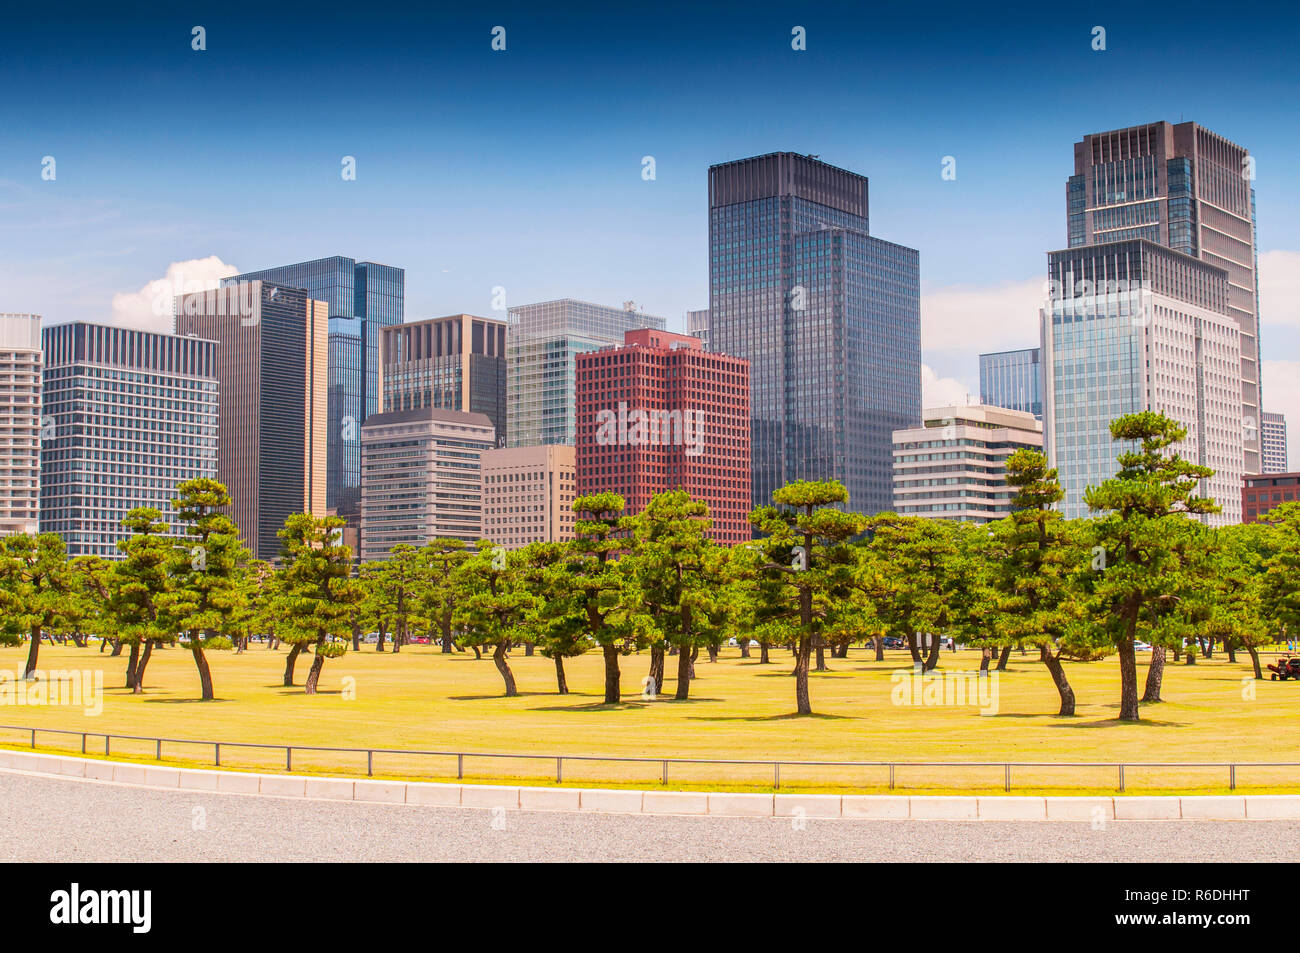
1279,288
995,318
939,391
1282,396
150,308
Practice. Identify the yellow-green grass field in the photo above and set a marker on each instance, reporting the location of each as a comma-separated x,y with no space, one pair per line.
739,709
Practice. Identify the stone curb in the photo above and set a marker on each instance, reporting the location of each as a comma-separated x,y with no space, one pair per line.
1091,809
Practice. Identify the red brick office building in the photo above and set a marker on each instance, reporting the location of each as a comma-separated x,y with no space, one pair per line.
1260,492
661,413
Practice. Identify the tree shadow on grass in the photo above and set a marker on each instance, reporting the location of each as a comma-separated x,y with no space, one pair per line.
1115,723
185,701
498,696
790,716
599,706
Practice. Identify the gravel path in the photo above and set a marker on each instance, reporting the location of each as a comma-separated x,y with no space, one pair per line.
44,819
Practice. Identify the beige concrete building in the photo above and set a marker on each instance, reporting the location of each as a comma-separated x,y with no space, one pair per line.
272,370
954,465
20,423
421,478
528,494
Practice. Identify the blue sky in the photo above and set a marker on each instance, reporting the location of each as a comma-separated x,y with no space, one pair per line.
522,168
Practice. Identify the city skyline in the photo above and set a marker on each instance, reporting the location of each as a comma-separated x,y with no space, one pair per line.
516,205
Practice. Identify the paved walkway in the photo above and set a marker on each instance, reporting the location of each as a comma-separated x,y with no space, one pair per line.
48,818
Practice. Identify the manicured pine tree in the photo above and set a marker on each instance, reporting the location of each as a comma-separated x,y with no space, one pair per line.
494,604
602,534
137,594
205,593
36,581
1146,544
317,595
807,558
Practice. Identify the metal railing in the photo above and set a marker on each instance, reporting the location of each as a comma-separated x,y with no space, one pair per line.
774,765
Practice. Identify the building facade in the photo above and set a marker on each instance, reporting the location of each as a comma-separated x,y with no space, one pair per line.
661,413
1263,491
1014,380
954,466
1273,446
362,298
1138,326
528,494
452,363
697,325
542,346
1189,189
21,365
828,317
272,366
421,478
128,416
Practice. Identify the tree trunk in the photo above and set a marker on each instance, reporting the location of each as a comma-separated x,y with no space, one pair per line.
1155,674
1128,681
914,647
477,653
880,648
356,636
821,653
499,658
117,648
290,661
802,658
656,675
528,650
1057,672
1004,658
383,635
683,675
445,623
33,650
313,674
205,673
1231,649
986,656
1254,660
613,694
743,643
932,659
560,682
132,661
713,652
763,658
695,653
138,687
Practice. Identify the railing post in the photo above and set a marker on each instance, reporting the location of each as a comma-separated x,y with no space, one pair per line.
33,737
370,763
216,753
83,742
776,775
1121,777
891,776
1232,777
157,754
460,766
106,738
665,775
288,758
1006,781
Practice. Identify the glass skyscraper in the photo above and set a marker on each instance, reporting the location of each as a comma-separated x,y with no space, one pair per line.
1189,189
128,416
828,317
363,298
1013,380
542,347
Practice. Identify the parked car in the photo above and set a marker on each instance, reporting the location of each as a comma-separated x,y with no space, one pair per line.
894,642
1141,646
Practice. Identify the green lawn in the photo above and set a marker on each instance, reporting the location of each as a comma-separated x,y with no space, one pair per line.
741,709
